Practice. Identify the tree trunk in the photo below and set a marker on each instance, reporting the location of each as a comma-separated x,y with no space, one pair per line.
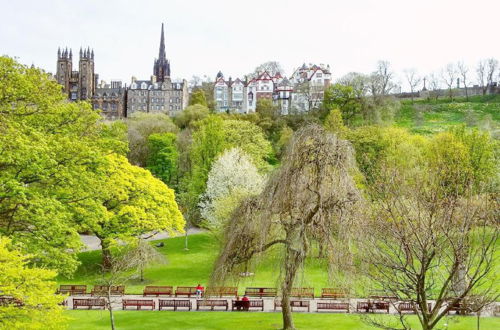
142,273
466,94
110,309
186,241
106,254
294,257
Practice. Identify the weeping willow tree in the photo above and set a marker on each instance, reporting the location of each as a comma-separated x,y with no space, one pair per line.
307,200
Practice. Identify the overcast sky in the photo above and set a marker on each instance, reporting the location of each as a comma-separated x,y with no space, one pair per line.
205,36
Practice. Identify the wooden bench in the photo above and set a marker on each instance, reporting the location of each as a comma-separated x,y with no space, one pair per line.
293,303
334,306
303,293
380,306
261,292
240,304
158,291
334,293
381,295
408,306
89,303
72,289
9,300
102,290
372,306
164,303
185,291
460,308
212,303
221,291
139,303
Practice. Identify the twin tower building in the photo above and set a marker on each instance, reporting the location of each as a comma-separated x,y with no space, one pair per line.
157,94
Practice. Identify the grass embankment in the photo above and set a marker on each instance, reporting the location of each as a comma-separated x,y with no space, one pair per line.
430,116
253,320
188,268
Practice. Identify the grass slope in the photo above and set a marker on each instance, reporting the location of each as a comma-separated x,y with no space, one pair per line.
430,116
233,320
188,268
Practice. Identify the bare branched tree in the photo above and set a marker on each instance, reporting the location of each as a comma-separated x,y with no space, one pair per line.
425,246
307,200
143,255
434,85
413,80
117,274
464,71
449,76
491,66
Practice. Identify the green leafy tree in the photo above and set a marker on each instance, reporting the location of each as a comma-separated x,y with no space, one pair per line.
34,304
140,127
190,115
484,154
380,147
334,123
50,151
198,97
343,97
164,157
212,136
128,202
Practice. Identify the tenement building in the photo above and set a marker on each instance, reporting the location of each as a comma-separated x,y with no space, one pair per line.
110,99
303,91
159,93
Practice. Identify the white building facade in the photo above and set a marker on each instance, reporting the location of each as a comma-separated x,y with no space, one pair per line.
303,91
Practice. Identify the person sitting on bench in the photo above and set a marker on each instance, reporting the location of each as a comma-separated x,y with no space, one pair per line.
199,291
245,303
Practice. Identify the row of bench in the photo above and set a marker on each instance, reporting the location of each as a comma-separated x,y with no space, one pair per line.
101,290
90,303
361,306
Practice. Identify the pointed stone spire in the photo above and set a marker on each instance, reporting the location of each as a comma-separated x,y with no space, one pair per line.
58,52
70,53
92,54
162,54
81,52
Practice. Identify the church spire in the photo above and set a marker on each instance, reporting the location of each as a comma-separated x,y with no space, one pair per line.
161,68
162,45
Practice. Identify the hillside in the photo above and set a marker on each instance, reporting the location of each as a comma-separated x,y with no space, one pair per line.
430,116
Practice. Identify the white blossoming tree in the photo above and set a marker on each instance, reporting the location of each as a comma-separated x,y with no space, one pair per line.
233,177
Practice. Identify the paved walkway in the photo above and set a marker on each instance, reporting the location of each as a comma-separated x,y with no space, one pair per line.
268,304
92,243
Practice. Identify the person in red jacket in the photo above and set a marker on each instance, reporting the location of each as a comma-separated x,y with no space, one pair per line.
246,303
199,291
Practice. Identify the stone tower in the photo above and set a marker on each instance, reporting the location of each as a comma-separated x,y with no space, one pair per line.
64,68
161,67
87,79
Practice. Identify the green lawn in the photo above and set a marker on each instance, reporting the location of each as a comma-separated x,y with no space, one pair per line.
188,268
233,320
430,116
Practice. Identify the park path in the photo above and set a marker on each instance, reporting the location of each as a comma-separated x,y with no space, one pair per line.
92,243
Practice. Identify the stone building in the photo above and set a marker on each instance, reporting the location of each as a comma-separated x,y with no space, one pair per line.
81,84
159,93
111,100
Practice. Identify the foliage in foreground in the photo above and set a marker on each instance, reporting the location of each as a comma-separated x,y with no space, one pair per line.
33,287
